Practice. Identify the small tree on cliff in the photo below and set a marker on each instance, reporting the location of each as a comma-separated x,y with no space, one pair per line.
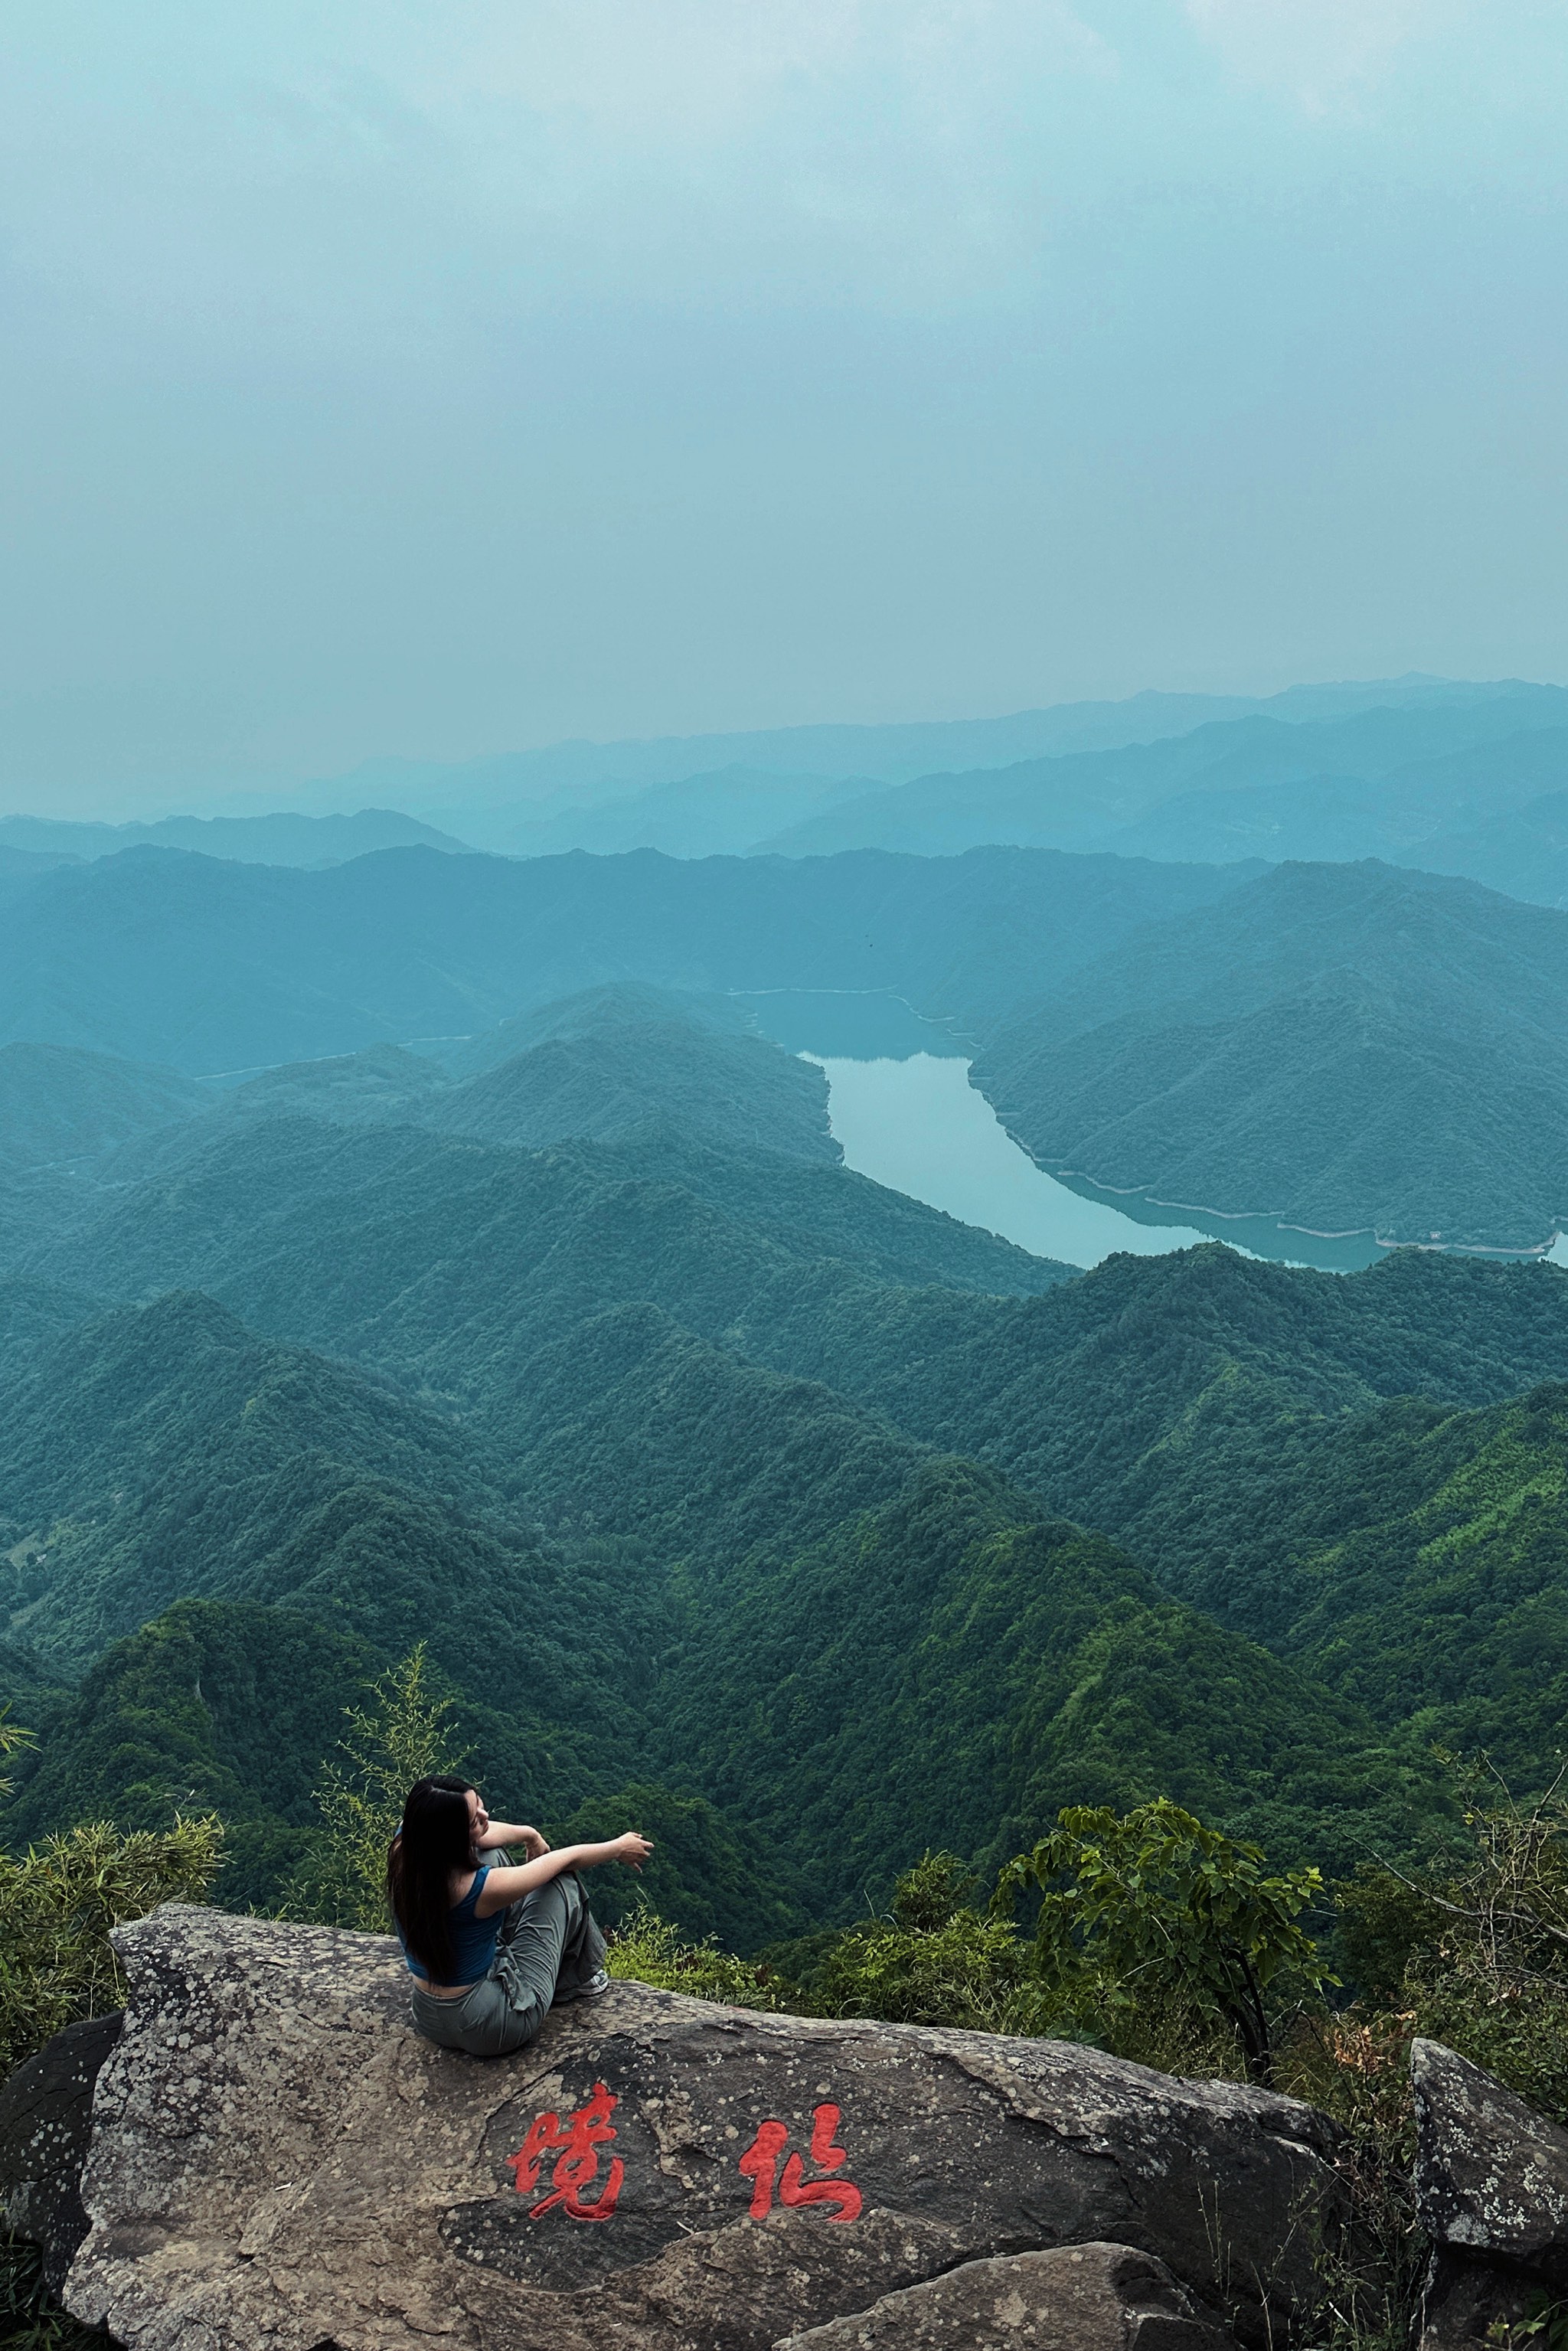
1155,1910
402,1736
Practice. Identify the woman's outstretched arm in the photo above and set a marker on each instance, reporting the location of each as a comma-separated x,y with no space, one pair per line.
505,1885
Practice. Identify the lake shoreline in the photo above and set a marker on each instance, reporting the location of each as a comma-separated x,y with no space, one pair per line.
914,1122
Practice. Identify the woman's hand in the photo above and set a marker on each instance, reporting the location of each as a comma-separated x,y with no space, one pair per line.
632,1849
533,1844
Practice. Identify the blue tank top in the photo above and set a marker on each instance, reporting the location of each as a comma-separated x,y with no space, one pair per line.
473,1939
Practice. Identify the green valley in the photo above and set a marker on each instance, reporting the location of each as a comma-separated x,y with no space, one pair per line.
733,1479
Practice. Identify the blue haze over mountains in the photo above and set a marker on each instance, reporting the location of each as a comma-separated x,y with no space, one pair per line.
412,1226
1448,777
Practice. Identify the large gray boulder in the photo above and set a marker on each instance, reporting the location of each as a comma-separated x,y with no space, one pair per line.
278,2160
1491,2174
1073,2298
45,2119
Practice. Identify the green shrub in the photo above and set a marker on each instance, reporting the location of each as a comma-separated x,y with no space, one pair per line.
935,1962
645,1948
58,1901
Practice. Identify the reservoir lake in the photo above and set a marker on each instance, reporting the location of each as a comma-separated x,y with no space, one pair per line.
903,1113
919,1127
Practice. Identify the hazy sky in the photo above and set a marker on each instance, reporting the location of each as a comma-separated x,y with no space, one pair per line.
383,376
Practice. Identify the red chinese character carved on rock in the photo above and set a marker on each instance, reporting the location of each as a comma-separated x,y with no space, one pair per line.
760,2164
579,2139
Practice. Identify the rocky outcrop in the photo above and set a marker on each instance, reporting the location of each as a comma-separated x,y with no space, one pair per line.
1492,2193
1491,2174
1073,2298
1467,2302
46,2118
278,2160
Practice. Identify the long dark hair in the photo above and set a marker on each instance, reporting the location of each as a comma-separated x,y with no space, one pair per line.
434,1845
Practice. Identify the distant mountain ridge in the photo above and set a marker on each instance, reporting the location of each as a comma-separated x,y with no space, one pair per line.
890,753
1446,776
283,838
216,967
1382,781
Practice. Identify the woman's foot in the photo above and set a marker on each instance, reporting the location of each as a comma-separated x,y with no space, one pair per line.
590,1988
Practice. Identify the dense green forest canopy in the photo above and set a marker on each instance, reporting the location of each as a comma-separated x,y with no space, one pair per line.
719,1474
718,1480
1341,1046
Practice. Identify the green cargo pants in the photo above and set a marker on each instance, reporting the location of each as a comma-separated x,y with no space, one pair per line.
547,1948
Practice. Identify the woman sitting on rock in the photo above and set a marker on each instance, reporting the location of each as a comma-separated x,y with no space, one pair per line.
492,1947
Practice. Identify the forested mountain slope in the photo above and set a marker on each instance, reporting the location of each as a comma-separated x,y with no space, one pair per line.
1347,1048
637,1367
238,1706
1415,1558
604,1066
447,1253
1333,1111
1281,1448
773,1630
454,1263
214,966
162,1453
593,1012
1078,1390
711,1470
57,1102
688,1091
1343,1047
727,1092
955,1663
1407,932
